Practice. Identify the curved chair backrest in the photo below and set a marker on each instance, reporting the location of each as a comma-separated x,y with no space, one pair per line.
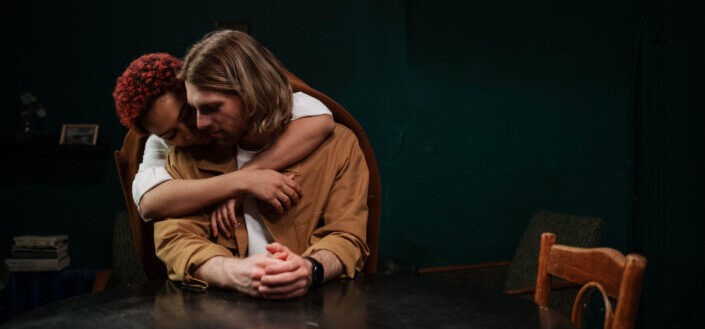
616,276
127,161
128,158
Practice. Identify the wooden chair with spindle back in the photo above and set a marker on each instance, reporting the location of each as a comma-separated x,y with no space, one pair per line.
615,276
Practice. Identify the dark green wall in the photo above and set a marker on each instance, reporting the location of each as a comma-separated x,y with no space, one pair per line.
669,156
481,113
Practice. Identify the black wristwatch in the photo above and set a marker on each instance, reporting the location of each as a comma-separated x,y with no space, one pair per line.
316,271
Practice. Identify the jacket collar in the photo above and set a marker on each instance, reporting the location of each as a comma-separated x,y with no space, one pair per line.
214,158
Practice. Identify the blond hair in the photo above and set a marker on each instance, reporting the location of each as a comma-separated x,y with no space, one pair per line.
232,62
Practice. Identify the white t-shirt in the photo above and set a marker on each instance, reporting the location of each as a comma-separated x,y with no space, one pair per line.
257,236
152,171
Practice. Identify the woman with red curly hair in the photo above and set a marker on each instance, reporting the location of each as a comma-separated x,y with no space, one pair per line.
150,99
145,79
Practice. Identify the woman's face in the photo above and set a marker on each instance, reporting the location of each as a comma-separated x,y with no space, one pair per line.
172,119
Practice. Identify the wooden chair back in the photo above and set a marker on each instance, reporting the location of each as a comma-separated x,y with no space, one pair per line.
128,158
127,161
615,276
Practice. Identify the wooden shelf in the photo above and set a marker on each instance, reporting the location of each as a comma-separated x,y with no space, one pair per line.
43,160
48,146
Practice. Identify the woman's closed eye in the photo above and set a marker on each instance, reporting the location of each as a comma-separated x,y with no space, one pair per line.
186,112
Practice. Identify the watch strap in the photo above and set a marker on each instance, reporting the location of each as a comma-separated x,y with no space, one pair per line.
316,271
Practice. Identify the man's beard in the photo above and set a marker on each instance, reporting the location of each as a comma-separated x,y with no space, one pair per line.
257,141
227,140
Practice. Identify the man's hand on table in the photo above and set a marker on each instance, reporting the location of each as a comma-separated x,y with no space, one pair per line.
241,274
286,279
279,274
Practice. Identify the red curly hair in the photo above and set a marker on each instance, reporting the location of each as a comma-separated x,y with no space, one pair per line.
144,80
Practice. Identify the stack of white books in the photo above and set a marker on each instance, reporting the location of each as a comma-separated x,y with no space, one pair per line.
36,253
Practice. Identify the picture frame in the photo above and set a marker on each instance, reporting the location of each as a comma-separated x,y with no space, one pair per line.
78,134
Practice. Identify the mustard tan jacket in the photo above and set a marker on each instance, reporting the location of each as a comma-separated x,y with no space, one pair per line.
331,215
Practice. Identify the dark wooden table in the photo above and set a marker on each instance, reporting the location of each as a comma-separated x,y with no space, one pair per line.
368,302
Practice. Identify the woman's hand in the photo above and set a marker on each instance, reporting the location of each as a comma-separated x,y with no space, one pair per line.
223,217
278,190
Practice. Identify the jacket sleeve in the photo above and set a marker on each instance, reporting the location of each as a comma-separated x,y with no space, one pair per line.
183,244
345,215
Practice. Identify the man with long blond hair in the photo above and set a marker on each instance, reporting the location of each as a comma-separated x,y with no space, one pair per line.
242,99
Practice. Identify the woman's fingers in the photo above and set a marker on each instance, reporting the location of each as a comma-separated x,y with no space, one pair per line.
214,224
230,208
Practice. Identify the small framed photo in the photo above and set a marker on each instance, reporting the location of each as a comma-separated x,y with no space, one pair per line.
78,134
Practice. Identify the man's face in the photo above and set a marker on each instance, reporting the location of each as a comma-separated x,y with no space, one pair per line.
218,114
172,119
